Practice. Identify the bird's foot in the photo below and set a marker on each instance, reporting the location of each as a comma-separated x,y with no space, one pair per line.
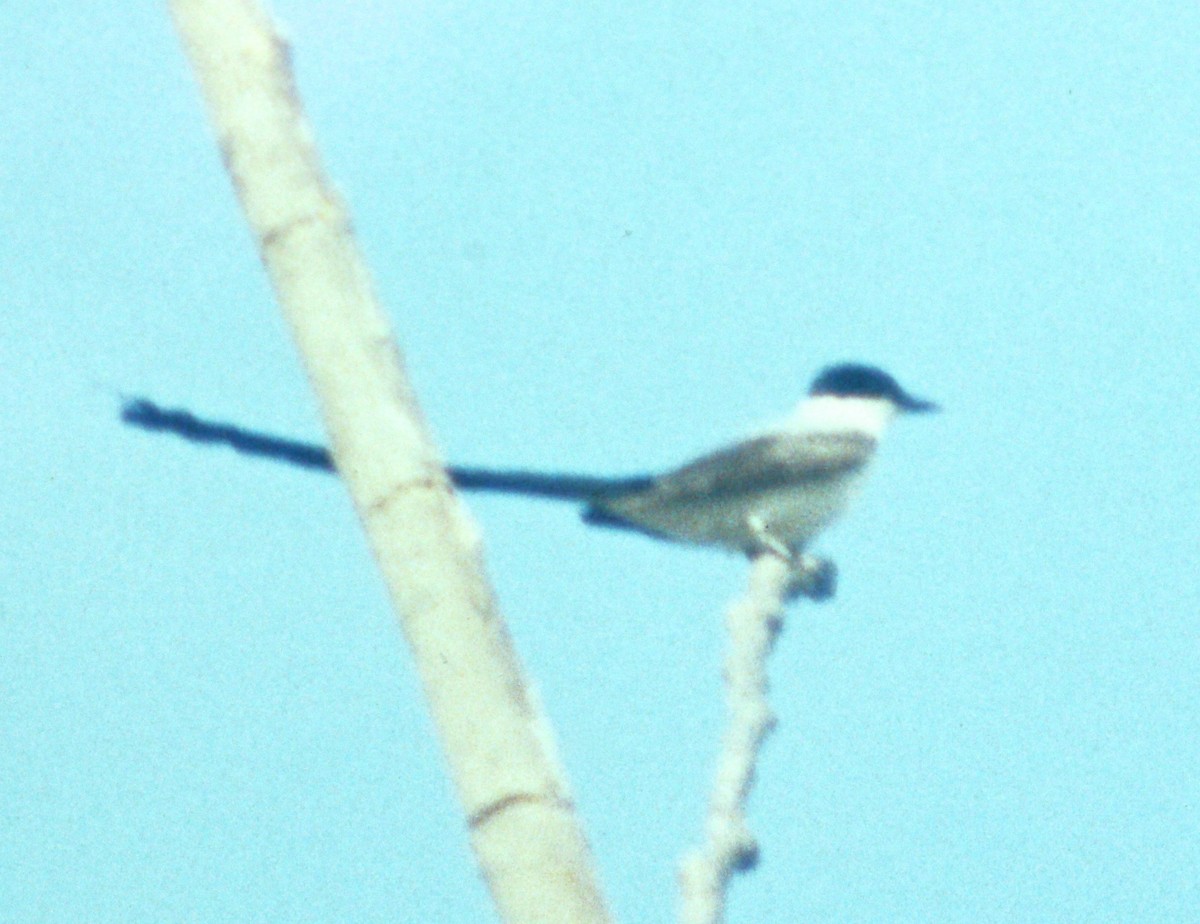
808,576
815,578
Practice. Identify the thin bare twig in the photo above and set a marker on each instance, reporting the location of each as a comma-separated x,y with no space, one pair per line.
753,623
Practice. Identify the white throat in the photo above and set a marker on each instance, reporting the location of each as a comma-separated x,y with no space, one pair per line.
835,414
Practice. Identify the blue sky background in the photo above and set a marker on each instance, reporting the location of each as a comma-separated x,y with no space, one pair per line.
611,238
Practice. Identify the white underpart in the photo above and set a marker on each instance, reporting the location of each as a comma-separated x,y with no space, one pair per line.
796,514
834,414
784,516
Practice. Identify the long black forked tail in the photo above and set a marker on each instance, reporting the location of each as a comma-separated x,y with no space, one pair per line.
146,415
138,412
542,484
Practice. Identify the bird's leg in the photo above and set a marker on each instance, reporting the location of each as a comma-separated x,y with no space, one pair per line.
765,541
809,576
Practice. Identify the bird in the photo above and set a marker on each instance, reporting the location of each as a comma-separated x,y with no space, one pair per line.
771,493
775,491
778,490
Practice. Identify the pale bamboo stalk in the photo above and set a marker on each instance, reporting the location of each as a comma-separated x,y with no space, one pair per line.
519,811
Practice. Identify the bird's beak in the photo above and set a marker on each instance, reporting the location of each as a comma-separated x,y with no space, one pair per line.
913,405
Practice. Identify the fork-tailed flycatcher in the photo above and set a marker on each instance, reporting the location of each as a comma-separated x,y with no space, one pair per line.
774,492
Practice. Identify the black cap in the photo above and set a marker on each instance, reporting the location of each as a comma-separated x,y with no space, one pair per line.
854,380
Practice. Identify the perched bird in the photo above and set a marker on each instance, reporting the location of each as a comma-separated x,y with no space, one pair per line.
772,493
